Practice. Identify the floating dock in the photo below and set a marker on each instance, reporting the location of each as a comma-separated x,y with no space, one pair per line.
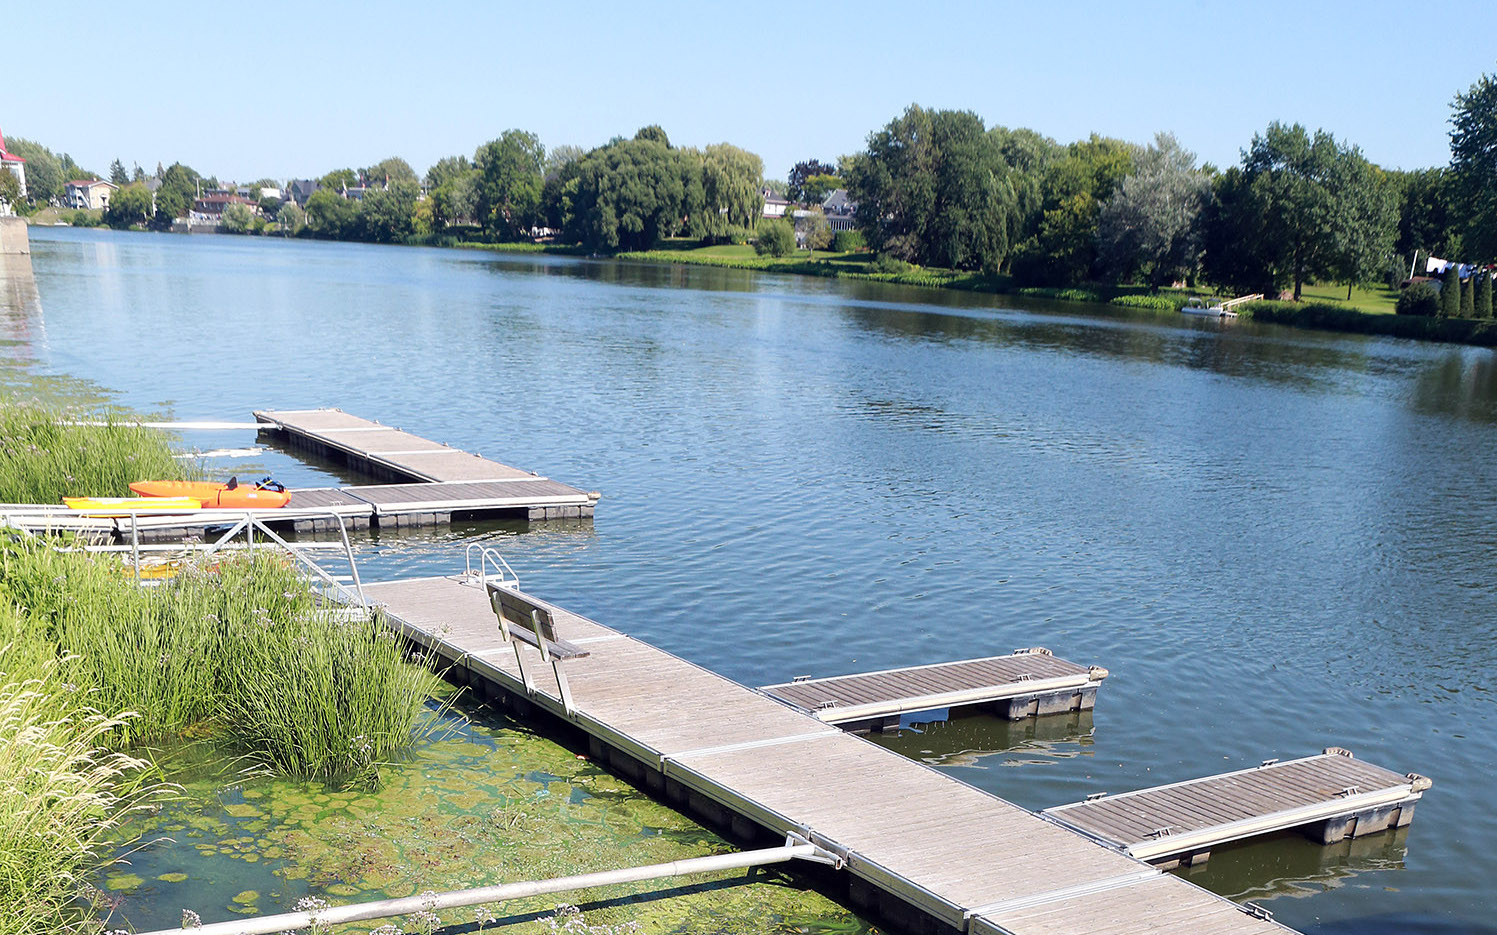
1332,796
922,850
429,482
1025,683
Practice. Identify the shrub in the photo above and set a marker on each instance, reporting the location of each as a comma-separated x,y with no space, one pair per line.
884,263
1167,303
1468,303
776,238
848,241
1483,294
1450,293
1419,299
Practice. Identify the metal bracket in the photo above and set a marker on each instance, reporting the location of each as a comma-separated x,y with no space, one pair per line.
1268,762
822,855
1257,911
1164,832
1350,791
1095,796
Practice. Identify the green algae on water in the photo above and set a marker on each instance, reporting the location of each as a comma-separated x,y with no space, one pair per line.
483,802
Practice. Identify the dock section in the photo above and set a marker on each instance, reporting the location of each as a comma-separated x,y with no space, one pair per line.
1331,796
1026,683
922,850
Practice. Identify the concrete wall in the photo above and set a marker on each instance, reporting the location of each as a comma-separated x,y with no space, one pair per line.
13,239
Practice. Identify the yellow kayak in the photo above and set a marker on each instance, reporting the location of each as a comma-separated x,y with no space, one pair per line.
152,504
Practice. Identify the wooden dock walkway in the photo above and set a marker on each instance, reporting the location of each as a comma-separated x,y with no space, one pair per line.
1333,795
922,849
1025,683
429,481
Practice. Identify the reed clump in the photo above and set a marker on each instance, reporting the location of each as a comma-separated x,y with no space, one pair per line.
45,457
63,792
243,653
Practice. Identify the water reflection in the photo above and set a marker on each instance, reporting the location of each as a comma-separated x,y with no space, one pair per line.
1291,865
983,741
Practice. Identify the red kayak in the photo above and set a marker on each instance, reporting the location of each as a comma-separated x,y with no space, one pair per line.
265,495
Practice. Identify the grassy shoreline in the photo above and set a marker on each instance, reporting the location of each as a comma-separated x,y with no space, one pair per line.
1322,310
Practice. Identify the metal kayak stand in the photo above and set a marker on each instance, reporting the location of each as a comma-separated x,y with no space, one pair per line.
795,848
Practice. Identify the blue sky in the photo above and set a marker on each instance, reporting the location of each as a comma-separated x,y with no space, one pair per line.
296,89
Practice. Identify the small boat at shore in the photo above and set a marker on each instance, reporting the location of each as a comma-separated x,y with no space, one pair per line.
263,495
134,504
1222,308
1199,307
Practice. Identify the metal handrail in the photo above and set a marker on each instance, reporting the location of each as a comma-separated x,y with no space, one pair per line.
239,521
486,556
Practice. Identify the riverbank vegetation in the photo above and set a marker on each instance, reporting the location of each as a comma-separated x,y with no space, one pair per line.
96,670
942,199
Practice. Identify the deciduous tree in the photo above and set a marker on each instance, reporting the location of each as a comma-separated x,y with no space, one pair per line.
801,173
128,207
509,182
387,214
1150,226
933,188
1473,164
44,179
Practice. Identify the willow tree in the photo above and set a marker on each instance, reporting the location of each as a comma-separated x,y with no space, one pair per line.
732,189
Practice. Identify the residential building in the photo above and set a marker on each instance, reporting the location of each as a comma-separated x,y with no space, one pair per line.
302,189
14,164
88,194
775,206
839,211
209,209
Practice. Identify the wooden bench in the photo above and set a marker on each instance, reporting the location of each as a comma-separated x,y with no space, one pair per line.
522,620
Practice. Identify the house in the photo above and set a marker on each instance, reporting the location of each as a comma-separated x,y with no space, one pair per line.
839,211
14,164
775,205
302,189
209,207
88,194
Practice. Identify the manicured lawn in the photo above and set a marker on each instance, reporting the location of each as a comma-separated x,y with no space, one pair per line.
688,249
1374,301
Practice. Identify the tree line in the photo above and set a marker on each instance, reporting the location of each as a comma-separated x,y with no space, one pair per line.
936,188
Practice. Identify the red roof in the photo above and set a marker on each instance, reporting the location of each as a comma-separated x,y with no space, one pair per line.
7,156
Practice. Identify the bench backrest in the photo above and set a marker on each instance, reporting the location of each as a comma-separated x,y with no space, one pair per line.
531,622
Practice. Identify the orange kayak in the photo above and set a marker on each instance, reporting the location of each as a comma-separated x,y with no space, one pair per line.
230,496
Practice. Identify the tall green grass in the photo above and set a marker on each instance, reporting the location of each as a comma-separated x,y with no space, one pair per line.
62,791
244,654
42,459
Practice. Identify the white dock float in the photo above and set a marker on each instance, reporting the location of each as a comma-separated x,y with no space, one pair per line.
1332,795
1025,683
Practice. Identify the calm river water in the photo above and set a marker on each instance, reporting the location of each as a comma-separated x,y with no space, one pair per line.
1275,540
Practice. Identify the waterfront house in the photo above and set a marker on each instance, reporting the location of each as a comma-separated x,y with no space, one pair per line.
13,164
88,194
839,211
209,208
302,189
775,206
